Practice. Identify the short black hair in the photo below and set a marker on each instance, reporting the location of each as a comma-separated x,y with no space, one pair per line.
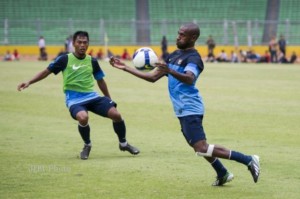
80,33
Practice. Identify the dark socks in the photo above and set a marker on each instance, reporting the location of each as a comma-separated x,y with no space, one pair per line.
241,158
219,168
120,130
85,133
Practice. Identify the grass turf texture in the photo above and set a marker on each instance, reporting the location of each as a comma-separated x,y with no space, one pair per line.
252,108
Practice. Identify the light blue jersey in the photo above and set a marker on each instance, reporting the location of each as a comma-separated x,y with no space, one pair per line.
186,99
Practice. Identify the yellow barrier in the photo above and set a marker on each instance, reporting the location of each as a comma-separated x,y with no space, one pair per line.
118,50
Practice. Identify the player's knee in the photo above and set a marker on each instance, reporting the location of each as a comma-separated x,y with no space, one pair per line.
82,117
205,151
114,115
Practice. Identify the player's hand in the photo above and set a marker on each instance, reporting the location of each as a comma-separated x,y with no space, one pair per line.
162,67
117,63
22,86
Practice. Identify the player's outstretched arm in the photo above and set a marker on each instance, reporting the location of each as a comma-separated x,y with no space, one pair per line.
38,77
152,76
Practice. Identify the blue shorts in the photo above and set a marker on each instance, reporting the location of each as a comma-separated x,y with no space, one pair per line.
99,106
192,129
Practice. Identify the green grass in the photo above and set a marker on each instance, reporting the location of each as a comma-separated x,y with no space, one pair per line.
252,108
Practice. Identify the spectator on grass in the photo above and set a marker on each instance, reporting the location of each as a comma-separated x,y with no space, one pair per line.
70,45
125,55
164,48
265,58
8,56
234,57
252,57
44,55
243,56
91,53
293,58
282,58
16,55
66,44
273,45
222,57
210,57
99,54
282,45
42,45
210,42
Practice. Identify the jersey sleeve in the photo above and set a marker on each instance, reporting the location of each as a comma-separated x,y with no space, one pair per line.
195,65
97,71
59,64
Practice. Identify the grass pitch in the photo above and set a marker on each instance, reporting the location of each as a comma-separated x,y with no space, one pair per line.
252,108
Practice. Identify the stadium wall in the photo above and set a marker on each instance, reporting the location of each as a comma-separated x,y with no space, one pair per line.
52,51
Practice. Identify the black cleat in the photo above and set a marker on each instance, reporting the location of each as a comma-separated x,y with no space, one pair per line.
131,149
254,167
84,155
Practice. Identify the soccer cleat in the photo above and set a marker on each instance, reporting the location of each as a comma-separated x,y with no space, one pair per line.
222,180
131,149
84,155
254,167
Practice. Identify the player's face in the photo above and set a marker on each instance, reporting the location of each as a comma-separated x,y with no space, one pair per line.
184,39
81,45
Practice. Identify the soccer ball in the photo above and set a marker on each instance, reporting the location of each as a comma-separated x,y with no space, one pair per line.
144,59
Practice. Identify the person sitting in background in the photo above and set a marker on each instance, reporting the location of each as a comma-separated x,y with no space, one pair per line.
282,58
99,54
125,55
210,57
16,55
293,58
91,52
267,57
222,57
243,56
252,57
234,57
8,56
44,55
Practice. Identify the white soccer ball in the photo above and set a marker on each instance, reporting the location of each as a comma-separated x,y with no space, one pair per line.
144,58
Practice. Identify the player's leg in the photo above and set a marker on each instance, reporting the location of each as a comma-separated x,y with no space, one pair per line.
207,150
107,108
192,129
202,148
79,113
120,129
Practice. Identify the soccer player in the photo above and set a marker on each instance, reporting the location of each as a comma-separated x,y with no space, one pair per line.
183,68
79,71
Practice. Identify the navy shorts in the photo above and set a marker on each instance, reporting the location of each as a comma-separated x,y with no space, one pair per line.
99,106
192,129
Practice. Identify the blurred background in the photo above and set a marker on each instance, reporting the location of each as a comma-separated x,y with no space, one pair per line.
134,23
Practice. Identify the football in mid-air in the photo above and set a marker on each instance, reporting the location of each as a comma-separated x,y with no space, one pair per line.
144,59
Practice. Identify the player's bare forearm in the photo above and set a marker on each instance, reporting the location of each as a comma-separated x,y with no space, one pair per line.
152,76
38,77
103,87
187,78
